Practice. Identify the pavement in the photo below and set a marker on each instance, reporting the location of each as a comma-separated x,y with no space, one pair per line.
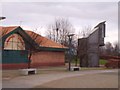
99,80
40,80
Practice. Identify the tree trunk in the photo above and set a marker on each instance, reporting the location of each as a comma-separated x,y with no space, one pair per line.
29,58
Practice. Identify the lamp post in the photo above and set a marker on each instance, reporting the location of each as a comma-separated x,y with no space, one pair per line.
70,51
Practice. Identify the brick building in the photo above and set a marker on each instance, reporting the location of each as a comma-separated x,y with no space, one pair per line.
15,46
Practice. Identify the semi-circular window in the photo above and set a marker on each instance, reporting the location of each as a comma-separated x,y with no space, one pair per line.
14,42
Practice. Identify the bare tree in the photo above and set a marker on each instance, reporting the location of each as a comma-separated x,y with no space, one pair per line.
85,32
116,49
59,30
33,49
109,48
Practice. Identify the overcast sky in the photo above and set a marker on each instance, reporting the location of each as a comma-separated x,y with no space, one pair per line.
38,15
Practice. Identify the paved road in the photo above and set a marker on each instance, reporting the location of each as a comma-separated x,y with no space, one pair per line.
39,79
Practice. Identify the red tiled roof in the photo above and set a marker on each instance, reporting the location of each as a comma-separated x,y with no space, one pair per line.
6,30
43,41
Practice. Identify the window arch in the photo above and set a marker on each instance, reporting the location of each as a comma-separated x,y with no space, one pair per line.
14,42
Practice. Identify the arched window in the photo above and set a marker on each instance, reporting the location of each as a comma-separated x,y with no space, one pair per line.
14,42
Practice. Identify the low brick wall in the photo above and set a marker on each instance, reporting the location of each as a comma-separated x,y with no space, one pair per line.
33,65
14,66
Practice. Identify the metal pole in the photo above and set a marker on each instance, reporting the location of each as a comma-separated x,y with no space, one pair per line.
69,55
70,39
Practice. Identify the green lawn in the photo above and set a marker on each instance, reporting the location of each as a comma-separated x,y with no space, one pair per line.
102,62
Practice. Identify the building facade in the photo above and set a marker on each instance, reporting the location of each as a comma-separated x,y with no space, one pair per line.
16,44
88,48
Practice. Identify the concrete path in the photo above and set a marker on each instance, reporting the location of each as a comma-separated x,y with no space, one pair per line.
39,79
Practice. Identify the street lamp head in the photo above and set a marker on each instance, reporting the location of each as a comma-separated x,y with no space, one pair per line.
70,35
1,18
